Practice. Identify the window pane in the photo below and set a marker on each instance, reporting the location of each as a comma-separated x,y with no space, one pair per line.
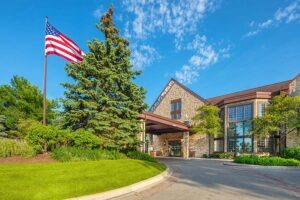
172,107
247,128
248,111
232,114
261,109
231,129
231,144
179,105
239,112
239,129
247,145
239,144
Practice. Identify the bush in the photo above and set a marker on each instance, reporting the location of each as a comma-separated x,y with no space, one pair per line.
268,161
45,138
293,152
85,139
9,147
219,155
140,156
66,154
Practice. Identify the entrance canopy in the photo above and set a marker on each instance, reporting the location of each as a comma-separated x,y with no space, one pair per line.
156,124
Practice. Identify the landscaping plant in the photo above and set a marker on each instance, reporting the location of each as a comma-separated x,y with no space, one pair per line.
10,147
268,161
293,152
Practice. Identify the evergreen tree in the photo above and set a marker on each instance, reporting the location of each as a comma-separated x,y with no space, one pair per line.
103,97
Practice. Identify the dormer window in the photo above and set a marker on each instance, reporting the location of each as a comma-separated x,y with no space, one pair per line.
176,109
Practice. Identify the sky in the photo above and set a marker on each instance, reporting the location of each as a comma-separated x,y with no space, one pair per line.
213,47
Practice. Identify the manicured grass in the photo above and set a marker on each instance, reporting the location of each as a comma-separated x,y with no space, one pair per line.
71,179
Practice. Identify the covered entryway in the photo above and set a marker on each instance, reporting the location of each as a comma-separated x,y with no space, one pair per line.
163,136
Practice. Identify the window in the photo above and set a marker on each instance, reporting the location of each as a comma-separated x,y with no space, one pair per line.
239,129
264,145
176,109
218,144
261,109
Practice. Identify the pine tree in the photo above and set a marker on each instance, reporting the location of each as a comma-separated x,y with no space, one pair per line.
104,99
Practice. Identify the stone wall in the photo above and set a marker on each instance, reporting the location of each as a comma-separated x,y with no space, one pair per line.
189,103
198,144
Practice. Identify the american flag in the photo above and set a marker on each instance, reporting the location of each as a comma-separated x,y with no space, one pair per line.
59,44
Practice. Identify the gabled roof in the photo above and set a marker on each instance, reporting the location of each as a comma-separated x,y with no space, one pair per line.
161,96
274,89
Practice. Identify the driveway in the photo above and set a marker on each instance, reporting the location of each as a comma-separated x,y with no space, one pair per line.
210,179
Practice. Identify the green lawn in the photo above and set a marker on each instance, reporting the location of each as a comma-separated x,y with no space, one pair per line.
71,179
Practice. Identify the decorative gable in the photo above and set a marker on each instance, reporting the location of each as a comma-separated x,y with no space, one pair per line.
174,90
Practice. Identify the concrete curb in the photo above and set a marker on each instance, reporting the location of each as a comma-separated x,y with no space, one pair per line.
231,163
136,187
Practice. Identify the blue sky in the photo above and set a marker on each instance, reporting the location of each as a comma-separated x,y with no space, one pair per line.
213,47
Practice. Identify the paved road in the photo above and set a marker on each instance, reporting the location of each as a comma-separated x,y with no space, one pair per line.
210,179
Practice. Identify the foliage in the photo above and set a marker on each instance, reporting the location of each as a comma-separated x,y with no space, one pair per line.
22,128
293,152
207,120
219,155
9,147
3,128
22,100
45,138
140,156
269,161
283,114
67,154
85,140
72,179
103,98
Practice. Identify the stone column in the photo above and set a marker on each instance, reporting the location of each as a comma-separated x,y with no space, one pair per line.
143,135
186,138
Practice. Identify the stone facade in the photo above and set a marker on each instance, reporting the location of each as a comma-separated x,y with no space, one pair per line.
198,144
190,103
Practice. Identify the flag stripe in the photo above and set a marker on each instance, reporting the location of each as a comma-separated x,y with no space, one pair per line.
66,51
51,50
61,45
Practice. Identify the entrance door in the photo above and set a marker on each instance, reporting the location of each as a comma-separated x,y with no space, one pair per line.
175,148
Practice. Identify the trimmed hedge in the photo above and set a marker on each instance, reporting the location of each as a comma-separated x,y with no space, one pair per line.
47,138
293,152
140,156
267,161
219,155
10,147
66,154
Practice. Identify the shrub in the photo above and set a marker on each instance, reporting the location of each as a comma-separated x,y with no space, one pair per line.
140,156
268,161
66,154
85,139
10,147
219,155
22,128
293,152
45,138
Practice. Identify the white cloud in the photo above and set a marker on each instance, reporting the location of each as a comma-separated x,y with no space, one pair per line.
287,14
98,12
205,56
173,17
143,56
187,74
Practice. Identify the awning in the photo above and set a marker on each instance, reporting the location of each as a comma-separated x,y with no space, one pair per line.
156,124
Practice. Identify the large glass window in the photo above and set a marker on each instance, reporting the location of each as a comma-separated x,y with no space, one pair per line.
239,129
261,109
176,109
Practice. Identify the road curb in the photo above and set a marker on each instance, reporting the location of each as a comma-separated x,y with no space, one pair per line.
136,187
258,166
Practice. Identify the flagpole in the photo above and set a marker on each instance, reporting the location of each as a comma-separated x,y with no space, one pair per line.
45,84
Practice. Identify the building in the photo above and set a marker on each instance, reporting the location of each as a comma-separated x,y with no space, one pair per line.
166,124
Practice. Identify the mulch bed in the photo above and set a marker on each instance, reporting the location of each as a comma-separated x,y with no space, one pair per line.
40,158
